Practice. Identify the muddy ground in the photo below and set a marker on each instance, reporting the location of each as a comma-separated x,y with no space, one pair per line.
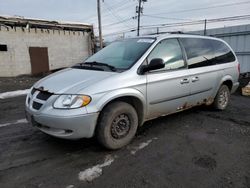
196,148
17,83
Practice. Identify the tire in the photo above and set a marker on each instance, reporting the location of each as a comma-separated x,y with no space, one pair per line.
222,98
117,125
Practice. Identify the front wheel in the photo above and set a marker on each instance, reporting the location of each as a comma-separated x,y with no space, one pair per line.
117,125
222,98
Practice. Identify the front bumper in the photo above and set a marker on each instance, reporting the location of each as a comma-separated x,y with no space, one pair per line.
67,127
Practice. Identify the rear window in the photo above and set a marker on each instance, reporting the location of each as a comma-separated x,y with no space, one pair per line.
206,52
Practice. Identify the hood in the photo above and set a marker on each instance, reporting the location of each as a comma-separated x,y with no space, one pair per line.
71,81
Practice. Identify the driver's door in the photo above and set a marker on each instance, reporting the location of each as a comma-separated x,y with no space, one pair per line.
168,89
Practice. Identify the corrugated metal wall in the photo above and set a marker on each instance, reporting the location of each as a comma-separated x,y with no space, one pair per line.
238,37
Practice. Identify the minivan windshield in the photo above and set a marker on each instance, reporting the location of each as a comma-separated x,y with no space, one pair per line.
121,55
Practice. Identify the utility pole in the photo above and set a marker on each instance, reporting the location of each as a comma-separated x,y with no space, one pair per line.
157,30
205,28
99,22
139,11
139,18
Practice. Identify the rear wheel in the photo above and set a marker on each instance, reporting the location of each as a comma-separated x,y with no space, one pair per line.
222,98
117,125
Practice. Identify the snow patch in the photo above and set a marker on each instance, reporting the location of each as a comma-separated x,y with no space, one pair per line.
70,186
92,173
20,121
141,146
12,94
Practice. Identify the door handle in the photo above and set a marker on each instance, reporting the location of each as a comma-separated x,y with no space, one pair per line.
195,79
185,81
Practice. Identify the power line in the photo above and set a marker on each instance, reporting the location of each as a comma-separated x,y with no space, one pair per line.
166,18
164,25
232,18
122,6
154,15
94,16
199,22
120,10
132,29
173,24
144,15
115,15
191,22
203,8
116,23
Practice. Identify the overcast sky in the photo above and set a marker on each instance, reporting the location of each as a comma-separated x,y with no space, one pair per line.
114,11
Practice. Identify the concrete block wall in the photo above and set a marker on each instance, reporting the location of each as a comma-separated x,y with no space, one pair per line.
65,48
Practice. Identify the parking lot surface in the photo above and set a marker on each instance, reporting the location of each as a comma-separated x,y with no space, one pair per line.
196,148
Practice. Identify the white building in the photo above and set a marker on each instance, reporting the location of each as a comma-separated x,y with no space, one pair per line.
29,46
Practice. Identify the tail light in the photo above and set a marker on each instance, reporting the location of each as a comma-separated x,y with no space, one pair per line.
239,68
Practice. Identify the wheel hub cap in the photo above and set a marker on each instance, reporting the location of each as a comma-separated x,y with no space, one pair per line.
223,100
120,126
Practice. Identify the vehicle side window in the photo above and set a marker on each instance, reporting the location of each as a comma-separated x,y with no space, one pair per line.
170,51
206,52
222,53
199,52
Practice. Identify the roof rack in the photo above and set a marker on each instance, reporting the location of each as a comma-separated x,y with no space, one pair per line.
175,32
167,32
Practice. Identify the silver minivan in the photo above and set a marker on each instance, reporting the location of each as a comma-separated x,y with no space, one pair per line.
132,81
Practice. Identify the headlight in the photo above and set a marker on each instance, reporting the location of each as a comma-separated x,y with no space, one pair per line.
71,101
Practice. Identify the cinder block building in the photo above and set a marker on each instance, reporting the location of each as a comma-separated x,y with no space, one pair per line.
30,46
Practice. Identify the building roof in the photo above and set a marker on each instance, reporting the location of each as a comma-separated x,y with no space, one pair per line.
17,21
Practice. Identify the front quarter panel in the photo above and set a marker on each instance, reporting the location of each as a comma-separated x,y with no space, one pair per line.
101,100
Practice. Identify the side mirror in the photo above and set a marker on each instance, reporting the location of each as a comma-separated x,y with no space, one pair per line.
154,64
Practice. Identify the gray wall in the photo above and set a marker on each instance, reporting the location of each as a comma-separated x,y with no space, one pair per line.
238,37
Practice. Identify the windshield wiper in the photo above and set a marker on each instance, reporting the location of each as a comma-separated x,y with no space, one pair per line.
82,66
206,58
112,68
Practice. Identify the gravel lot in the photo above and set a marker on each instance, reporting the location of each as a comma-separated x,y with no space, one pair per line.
195,148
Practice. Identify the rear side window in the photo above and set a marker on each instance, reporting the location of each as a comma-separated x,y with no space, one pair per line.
206,52
222,53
